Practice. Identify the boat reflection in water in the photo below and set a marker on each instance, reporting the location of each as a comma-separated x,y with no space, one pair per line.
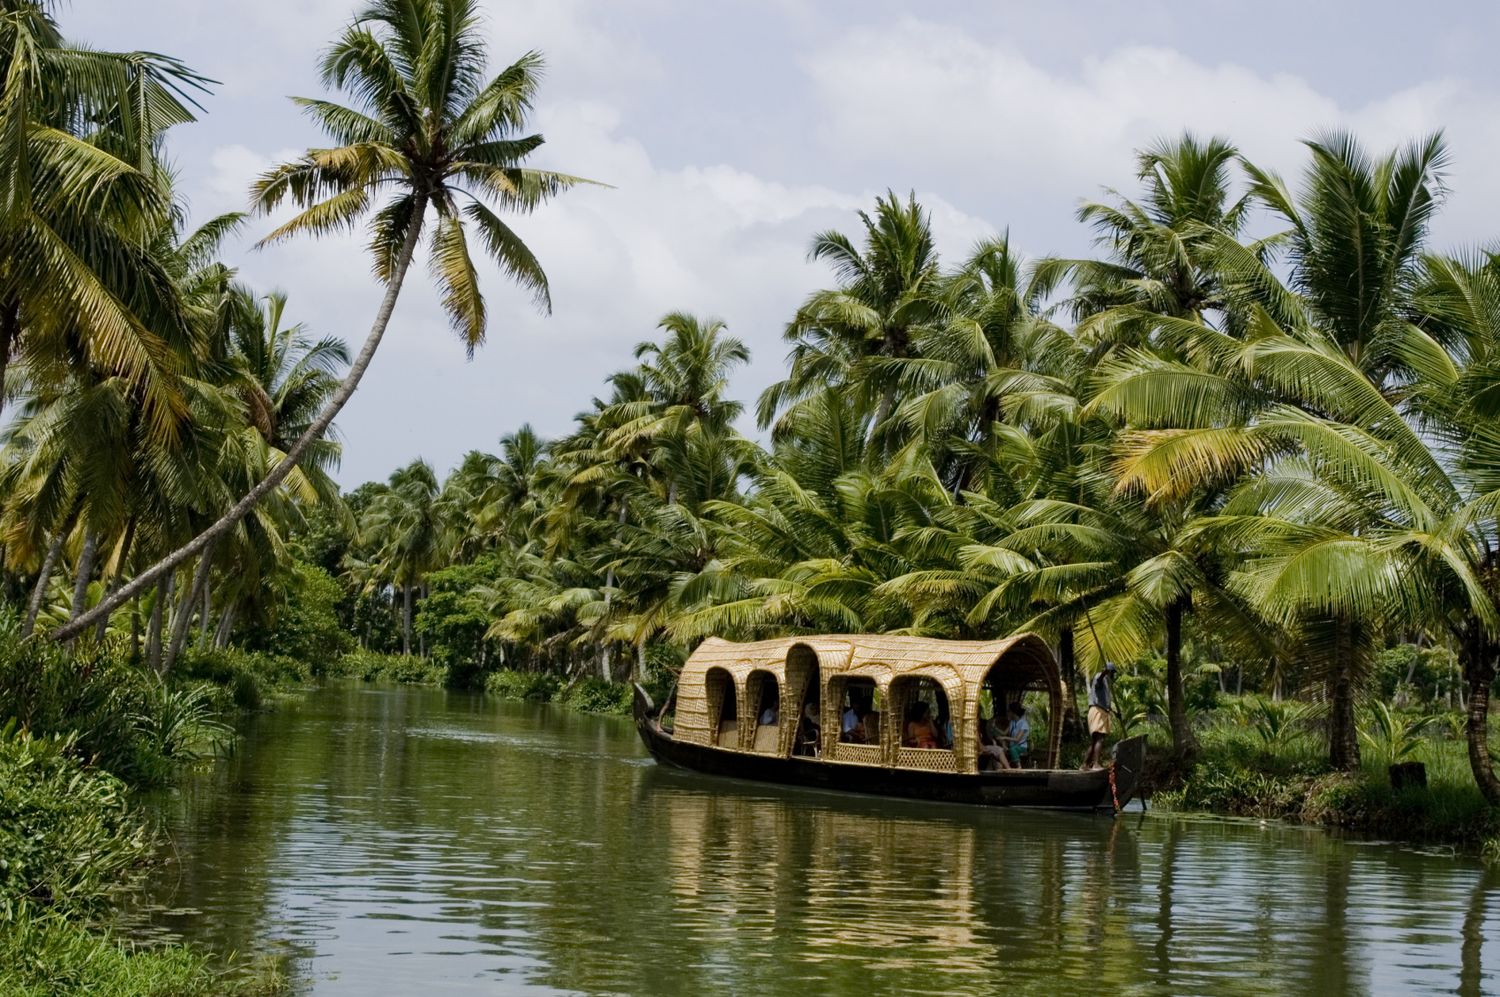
854,894
842,884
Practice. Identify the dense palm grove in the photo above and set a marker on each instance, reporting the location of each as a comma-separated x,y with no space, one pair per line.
1254,436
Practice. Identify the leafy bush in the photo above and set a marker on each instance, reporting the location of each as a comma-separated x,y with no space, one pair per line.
43,954
249,677
68,835
1234,790
594,695
92,696
590,695
306,626
532,687
373,667
454,617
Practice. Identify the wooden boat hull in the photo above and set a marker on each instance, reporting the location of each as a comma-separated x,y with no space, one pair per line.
1054,789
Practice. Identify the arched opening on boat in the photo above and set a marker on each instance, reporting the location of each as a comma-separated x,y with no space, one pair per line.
762,690
858,708
723,710
1025,674
804,686
920,703
926,721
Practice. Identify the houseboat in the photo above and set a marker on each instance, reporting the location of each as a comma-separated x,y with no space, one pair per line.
827,712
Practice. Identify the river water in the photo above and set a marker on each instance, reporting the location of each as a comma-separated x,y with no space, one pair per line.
415,841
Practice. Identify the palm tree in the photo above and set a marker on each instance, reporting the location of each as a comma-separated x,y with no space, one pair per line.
430,135
887,292
80,190
412,536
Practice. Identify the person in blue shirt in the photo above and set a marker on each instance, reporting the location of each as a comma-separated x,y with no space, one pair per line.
1017,737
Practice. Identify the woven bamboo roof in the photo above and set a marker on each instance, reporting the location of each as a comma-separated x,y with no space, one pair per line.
960,667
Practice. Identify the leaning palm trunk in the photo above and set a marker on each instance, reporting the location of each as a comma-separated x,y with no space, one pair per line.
183,618
85,570
278,473
153,629
49,565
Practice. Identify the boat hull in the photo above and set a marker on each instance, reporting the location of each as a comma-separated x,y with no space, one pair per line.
1054,789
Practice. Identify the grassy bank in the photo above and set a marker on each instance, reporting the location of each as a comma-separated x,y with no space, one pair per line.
80,733
1269,760
585,695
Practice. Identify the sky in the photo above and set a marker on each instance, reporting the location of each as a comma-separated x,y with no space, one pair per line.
730,132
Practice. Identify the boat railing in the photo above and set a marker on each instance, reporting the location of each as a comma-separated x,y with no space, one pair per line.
858,754
927,759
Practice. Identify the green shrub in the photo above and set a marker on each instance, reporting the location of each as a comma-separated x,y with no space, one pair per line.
68,834
249,678
532,687
371,667
306,625
43,954
593,695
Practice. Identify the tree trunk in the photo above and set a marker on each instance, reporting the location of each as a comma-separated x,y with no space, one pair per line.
1184,744
206,617
1068,658
640,661
284,467
1343,736
85,569
225,628
101,629
49,564
153,630
10,334
183,618
1479,669
406,619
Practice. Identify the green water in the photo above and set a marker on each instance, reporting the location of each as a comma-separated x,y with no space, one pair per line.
375,841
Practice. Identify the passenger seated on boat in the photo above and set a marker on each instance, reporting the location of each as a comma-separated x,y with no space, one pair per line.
1016,739
848,721
808,733
860,732
944,725
768,716
920,731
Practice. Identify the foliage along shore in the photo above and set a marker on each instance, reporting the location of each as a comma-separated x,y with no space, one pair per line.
80,733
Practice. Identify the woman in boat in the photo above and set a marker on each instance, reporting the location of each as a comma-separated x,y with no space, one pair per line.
920,731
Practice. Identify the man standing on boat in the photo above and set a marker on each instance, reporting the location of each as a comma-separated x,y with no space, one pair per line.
1101,705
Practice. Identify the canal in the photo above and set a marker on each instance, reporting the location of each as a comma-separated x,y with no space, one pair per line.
416,841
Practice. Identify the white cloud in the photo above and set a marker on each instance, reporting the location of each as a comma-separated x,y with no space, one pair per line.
992,123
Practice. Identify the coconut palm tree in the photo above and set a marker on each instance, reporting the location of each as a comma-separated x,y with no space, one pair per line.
411,534
887,292
80,191
428,135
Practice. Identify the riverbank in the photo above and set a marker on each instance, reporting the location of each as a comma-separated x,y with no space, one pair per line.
1268,760
583,695
80,735
1257,758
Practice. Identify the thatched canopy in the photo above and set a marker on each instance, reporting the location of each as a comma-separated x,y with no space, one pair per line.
719,669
